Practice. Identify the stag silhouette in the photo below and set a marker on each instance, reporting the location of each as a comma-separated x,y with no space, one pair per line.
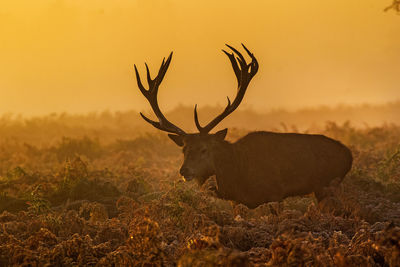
261,166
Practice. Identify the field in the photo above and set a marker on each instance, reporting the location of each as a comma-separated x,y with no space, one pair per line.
104,190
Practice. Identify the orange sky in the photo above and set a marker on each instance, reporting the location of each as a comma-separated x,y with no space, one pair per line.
77,56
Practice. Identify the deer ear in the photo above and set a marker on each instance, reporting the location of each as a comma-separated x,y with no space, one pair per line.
178,139
221,134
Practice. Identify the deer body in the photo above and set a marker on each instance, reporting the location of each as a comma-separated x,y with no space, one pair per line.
260,167
266,166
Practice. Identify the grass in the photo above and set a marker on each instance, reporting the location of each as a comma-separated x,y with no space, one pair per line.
98,201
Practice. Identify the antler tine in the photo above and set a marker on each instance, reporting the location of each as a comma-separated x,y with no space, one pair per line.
151,96
149,80
196,119
164,67
243,76
240,57
139,82
254,63
235,66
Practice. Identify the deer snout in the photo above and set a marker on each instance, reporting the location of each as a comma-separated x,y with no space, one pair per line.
186,172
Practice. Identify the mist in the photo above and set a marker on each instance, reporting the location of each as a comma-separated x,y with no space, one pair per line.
77,56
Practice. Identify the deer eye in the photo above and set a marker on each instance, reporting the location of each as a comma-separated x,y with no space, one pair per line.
203,150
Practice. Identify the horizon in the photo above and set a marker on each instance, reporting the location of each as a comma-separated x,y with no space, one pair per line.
216,106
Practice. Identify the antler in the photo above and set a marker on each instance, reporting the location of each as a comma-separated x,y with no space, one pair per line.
244,73
151,95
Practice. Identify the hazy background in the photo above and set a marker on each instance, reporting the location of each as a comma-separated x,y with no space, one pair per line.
77,56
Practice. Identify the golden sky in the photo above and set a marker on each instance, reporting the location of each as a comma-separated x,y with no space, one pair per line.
78,56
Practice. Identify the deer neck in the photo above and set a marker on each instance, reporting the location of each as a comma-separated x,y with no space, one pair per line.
227,167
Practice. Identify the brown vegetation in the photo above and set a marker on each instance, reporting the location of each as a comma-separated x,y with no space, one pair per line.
106,195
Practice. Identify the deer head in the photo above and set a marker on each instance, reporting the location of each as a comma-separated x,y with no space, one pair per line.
198,148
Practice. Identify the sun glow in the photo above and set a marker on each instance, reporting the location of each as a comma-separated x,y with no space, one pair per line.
77,56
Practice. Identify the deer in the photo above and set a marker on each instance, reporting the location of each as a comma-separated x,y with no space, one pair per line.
260,167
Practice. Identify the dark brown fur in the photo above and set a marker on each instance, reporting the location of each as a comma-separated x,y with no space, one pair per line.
265,166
